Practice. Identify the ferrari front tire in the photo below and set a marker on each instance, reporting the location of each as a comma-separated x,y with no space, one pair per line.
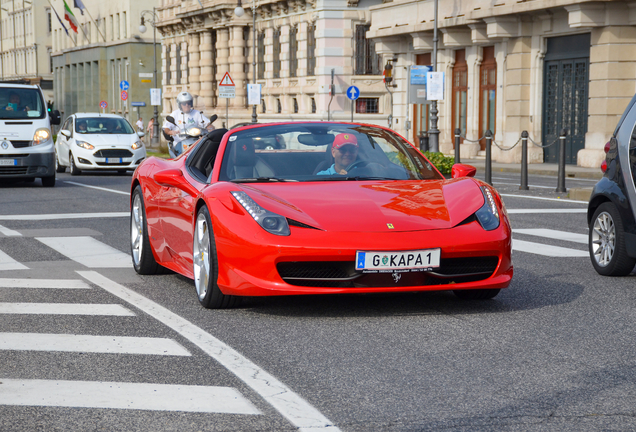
143,260
206,265
476,294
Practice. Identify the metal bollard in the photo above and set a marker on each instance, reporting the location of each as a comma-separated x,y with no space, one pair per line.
489,157
423,138
524,161
458,133
561,176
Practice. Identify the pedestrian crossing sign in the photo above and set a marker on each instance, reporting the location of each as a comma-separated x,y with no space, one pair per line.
227,80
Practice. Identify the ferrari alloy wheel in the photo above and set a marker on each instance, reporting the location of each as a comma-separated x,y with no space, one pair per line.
476,294
74,169
143,260
607,243
205,265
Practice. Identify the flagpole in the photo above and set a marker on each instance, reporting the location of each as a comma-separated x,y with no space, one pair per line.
61,23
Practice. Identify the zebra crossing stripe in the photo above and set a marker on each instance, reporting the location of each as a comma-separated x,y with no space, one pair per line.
545,211
58,216
91,344
119,395
9,232
553,234
88,251
44,283
8,263
546,250
64,309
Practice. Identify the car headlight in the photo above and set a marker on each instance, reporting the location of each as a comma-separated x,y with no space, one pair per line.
194,131
137,145
488,215
84,144
41,136
270,222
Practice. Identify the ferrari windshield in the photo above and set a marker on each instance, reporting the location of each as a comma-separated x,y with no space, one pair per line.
21,103
321,152
103,125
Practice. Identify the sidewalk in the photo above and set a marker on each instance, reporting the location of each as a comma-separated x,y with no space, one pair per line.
549,169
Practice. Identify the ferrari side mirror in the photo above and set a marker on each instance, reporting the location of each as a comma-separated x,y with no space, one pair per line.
461,170
174,178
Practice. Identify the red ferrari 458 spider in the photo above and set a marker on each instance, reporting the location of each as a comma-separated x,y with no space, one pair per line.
334,208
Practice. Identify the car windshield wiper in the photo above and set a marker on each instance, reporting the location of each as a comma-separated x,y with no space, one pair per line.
262,180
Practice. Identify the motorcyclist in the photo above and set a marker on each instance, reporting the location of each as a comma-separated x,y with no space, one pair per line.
185,116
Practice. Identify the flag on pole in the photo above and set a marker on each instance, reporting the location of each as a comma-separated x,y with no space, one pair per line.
78,4
60,20
70,17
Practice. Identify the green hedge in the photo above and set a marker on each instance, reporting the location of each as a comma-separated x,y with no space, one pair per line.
443,163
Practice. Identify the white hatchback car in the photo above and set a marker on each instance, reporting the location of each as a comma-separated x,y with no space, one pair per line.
94,141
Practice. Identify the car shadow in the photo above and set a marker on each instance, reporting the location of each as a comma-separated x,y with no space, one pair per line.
528,291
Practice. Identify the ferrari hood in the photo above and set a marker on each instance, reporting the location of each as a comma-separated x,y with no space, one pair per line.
350,206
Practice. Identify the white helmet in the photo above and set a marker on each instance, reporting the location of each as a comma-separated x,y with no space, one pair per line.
184,97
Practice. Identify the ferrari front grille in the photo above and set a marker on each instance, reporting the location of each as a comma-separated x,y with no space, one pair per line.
113,153
342,274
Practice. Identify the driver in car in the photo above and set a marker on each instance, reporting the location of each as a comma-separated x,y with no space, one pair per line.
344,151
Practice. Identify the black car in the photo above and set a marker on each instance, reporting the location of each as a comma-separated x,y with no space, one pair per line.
611,213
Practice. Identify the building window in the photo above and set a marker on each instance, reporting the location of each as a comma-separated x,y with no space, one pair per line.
313,106
460,92
487,92
367,105
311,49
125,26
168,72
260,48
367,60
263,106
295,106
112,28
178,63
117,27
279,107
48,17
293,51
276,44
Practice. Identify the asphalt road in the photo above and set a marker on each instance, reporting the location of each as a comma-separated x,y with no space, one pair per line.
554,351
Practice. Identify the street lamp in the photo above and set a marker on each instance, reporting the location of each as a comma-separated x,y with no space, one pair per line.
239,12
434,132
151,18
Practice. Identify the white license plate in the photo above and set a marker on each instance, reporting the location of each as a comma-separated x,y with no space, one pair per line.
418,259
114,160
11,162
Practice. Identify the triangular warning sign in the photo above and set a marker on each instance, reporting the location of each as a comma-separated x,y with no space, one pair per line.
227,80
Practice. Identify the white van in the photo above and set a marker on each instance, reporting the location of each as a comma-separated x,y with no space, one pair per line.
26,139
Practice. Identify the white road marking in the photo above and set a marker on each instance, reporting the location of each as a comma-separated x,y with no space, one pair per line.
531,186
64,309
98,188
57,216
546,250
91,344
565,200
88,251
529,211
44,283
118,395
289,404
8,263
553,234
9,232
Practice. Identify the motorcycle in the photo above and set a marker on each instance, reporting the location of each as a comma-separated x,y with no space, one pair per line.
189,135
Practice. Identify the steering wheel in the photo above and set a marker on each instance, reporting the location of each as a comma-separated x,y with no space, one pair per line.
357,164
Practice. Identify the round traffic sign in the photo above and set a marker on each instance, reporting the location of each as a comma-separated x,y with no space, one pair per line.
103,104
124,85
353,92
124,95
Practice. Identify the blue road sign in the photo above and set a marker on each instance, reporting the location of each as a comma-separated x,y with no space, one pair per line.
353,92
138,104
124,85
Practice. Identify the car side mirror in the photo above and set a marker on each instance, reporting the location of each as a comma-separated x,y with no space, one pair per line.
461,170
55,117
66,133
174,178
141,134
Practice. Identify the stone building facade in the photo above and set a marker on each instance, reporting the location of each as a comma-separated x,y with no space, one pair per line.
510,65
299,43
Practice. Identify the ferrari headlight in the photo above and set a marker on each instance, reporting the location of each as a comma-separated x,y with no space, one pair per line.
137,145
270,222
488,215
84,144
41,136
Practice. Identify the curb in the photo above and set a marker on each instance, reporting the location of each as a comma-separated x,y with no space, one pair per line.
580,194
